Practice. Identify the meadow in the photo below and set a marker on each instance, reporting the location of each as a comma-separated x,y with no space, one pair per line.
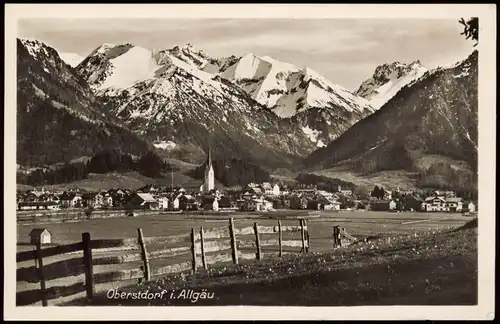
362,225
431,268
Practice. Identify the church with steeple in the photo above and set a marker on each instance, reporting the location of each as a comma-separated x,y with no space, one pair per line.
209,178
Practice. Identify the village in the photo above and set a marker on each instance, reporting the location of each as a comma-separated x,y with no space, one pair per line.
253,197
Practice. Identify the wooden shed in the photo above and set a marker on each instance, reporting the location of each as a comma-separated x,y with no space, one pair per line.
41,235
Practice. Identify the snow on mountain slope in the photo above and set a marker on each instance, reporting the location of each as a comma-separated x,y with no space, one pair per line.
286,89
134,65
387,80
168,98
120,66
72,59
304,96
263,78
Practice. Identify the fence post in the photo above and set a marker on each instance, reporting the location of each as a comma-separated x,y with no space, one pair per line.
88,266
302,236
307,235
234,248
336,236
38,254
193,249
280,238
202,242
144,255
257,240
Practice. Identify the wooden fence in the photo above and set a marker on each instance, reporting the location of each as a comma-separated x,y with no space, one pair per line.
90,266
341,237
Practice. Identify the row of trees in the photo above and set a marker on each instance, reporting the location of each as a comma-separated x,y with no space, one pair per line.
442,175
378,192
149,165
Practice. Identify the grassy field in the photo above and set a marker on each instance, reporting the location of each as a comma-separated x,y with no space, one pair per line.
433,268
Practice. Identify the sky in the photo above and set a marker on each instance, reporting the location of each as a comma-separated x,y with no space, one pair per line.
346,51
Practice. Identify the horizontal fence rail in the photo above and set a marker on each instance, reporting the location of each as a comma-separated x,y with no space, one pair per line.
87,263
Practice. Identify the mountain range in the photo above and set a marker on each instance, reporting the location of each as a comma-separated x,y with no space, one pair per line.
181,102
431,119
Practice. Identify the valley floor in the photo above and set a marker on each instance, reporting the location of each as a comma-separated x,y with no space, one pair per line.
433,268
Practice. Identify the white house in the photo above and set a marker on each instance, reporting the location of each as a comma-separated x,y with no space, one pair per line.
93,199
267,205
162,202
270,189
107,200
345,192
435,203
70,200
175,203
276,190
333,204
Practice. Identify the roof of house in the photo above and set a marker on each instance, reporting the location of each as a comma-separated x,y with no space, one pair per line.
90,195
38,231
266,185
455,199
146,197
434,197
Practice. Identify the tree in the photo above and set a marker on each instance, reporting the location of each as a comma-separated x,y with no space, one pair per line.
151,165
471,29
126,163
88,211
105,161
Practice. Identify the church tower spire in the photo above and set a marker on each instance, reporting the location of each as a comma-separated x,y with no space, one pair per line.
209,183
209,164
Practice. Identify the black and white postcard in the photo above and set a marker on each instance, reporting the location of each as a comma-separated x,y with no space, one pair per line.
287,161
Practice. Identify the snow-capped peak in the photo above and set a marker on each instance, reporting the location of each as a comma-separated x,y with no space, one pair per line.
387,80
191,48
287,89
117,66
34,47
107,46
